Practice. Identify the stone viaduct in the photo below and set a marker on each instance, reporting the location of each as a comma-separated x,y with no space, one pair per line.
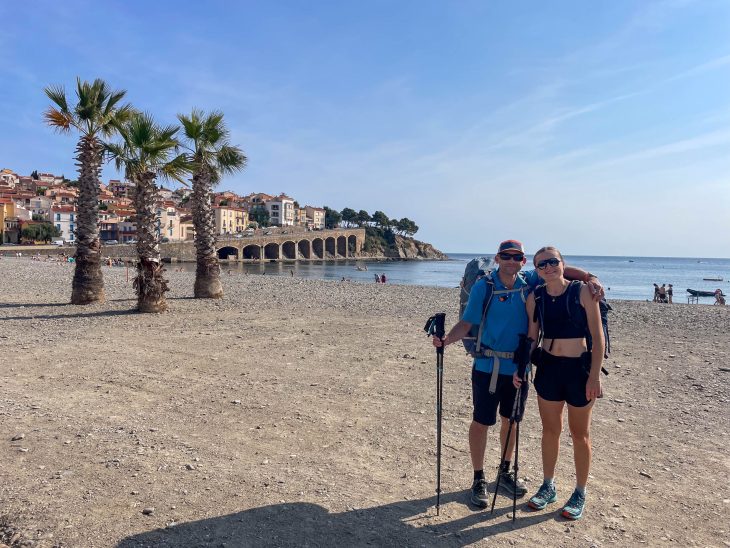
297,246
316,245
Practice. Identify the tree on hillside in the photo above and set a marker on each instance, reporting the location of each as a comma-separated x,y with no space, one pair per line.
406,227
380,219
97,114
212,156
148,151
362,218
332,218
260,215
349,216
34,175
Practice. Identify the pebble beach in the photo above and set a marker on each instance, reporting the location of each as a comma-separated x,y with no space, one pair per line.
301,412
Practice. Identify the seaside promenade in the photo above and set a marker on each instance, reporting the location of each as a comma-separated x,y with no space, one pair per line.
301,412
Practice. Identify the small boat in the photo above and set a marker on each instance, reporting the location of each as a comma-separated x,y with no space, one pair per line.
715,279
698,293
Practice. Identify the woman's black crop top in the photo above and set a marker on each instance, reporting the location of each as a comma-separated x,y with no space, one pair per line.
557,322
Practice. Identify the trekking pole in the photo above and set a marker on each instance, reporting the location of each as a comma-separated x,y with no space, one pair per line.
435,326
512,416
522,357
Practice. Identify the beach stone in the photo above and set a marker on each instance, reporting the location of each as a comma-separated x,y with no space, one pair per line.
18,437
148,511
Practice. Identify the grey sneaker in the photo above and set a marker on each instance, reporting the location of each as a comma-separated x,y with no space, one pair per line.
509,485
479,493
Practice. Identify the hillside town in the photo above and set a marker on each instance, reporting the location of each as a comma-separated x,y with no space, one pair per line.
40,200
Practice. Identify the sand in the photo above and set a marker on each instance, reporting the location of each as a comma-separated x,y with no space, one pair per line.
302,413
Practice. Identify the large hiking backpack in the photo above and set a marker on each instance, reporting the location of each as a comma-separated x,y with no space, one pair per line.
576,313
476,269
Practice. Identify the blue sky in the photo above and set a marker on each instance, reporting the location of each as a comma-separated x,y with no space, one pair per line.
599,127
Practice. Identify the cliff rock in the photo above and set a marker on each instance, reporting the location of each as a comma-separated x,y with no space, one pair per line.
394,246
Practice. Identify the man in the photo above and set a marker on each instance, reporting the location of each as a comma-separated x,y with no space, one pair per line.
670,293
506,320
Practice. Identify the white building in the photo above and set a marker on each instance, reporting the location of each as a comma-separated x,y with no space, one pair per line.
63,218
40,205
281,210
8,178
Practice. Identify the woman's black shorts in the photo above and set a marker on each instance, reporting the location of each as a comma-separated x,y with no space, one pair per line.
562,379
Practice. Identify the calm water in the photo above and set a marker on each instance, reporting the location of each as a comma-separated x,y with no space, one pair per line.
627,277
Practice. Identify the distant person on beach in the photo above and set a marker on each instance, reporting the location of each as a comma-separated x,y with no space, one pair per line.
670,293
663,294
506,320
377,278
719,299
656,293
383,279
566,373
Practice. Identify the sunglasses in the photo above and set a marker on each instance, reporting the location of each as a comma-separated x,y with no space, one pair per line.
552,261
514,256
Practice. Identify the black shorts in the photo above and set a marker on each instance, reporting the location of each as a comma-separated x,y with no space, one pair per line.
485,404
562,379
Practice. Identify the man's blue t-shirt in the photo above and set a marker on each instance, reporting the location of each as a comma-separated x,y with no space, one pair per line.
506,318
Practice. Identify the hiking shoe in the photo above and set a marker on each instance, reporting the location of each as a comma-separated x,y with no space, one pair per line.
479,493
511,485
544,496
573,509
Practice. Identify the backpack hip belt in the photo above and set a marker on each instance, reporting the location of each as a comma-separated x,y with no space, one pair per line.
496,354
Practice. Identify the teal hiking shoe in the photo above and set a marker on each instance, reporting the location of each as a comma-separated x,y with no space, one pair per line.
573,509
547,494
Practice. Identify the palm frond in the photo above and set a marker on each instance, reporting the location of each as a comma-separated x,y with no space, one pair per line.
192,125
58,120
57,94
177,169
230,159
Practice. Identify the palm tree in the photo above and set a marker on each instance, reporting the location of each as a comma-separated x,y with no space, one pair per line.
211,156
146,153
97,114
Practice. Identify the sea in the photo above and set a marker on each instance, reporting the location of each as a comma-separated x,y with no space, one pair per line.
628,278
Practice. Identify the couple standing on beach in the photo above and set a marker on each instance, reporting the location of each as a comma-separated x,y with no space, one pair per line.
566,372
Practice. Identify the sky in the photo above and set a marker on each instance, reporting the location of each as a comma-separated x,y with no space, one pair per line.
602,128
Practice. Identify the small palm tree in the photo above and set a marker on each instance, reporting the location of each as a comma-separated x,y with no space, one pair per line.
148,151
211,156
97,114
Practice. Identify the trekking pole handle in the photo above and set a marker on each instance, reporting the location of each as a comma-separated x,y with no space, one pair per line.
436,326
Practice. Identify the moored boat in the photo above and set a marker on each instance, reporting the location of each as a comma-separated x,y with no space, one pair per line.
698,293
715,279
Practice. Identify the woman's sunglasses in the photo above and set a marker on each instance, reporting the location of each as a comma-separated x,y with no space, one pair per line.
514,256
552,261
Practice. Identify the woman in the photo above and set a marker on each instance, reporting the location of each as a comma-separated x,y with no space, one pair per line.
566,373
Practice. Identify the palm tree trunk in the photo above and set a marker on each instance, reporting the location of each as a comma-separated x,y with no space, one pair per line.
150,282
208,272
88,282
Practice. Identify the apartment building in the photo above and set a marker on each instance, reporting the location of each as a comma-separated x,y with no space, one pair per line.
281,210
64,218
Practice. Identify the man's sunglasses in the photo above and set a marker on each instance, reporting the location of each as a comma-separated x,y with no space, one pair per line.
552,261
514,256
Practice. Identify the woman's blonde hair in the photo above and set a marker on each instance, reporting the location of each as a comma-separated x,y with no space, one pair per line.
547,248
